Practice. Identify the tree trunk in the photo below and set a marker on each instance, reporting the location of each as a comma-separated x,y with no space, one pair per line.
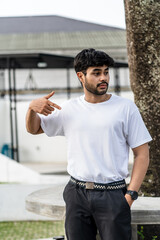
143,44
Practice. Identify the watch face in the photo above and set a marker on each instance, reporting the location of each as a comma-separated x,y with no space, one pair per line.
133,194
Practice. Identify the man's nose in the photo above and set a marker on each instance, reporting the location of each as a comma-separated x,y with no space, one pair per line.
103,77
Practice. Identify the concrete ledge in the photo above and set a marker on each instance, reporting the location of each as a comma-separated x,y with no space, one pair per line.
47,202
146,210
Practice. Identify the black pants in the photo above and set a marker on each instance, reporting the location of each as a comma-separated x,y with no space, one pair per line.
89,210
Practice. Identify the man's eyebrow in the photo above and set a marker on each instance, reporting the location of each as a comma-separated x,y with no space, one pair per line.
99,69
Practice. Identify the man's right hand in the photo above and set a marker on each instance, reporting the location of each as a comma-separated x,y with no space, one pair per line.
44,105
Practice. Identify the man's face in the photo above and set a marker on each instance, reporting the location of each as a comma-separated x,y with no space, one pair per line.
96,80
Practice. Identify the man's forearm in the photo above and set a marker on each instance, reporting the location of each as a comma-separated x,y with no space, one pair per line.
140,166
138,172
33,122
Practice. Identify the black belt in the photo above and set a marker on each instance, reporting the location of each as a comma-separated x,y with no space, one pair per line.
100,186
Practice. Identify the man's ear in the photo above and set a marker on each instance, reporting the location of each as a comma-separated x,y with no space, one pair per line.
80,76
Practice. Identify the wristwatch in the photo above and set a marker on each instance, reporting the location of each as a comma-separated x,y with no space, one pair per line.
133,194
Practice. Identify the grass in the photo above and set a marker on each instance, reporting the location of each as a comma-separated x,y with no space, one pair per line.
30,230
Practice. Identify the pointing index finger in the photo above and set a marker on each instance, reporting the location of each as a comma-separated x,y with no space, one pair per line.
54,105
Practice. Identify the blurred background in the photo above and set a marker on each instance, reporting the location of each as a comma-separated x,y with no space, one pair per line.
38,42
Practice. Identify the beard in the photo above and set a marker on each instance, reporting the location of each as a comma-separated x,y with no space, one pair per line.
90,88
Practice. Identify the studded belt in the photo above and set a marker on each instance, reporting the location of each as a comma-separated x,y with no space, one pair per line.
98,186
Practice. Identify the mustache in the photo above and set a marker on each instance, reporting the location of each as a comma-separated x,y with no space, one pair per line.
102,83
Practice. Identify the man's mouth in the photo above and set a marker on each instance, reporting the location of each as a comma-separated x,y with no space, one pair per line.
102,85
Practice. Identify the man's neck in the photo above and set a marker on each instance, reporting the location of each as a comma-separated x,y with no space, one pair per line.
97,98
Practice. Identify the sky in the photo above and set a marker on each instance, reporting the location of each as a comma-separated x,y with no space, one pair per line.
106,12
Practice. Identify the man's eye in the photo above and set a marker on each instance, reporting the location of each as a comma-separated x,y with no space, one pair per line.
96,74
106,73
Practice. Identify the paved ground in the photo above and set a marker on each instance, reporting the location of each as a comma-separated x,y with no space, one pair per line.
13,194
47,168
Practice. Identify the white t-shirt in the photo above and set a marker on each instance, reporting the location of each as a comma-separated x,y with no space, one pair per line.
98,136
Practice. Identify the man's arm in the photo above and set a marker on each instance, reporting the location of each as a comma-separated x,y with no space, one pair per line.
140,166
33,122
42,106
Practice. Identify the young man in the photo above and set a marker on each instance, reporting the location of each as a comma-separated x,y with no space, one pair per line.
99,128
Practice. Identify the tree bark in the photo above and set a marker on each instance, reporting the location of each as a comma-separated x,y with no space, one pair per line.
143,45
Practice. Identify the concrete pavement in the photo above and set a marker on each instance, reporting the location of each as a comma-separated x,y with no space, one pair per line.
20,181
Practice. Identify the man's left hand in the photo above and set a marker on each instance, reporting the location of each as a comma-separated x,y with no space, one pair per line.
129,199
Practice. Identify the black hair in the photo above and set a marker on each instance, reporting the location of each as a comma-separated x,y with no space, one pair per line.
90,58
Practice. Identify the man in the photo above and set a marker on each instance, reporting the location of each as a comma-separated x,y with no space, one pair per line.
99,128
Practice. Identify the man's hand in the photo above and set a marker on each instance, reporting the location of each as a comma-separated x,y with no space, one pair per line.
44,105
129,199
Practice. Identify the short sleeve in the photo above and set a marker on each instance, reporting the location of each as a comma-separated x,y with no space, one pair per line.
52,124
137,131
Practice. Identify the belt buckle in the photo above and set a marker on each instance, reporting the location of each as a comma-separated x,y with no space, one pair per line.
89,185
